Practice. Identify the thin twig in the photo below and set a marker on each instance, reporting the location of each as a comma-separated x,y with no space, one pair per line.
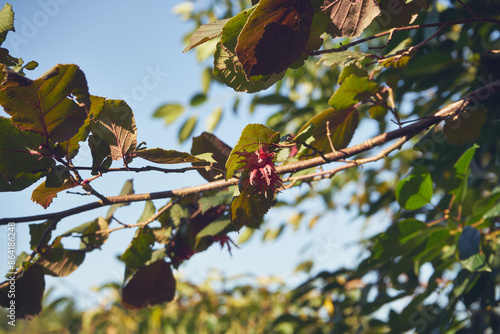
467,8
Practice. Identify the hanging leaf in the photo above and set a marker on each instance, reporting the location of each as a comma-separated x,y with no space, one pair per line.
6,21
351,17
116,126
209,143
44,195
213,119
468,242
169,112
466,127
60,262
187,128
54,105
458,181
228,68
341,59
87,232
101,154
21,162
36,233
161,156
342,123
150,285
252,136
28,294
139,250
415,191
127,189
352,90
274,36
250,206
205,33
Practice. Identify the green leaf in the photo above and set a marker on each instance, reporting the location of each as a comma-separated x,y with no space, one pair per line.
54,105
466,128
341,59
6,21
476,262
213,119
28,293
198,99
209,143
87,232
151,285
128,189
116,126
169,112
415,191
60,262
252,136
274,36
101,154
493,212
162,234
342,123
305,132
352,90
187,128
468,242
214,228
250,206
205,33
221,197
351,18
36,233
139,251
161,156
459,175
20,156
149,210
44,195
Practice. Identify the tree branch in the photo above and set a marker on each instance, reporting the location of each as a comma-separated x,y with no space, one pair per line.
409,131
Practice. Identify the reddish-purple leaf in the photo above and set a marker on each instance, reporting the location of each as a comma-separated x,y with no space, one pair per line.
150,285
274,36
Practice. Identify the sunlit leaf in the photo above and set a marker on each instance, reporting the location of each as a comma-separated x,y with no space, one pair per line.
139,250
127,189
250,206
466,128
169,112
60,262
352,90
342,124
6,21
351,17
161,156
87,232
341,59
54,105
116,126
44,195
415,190
205,33
213,119
252,136
207,142
187,128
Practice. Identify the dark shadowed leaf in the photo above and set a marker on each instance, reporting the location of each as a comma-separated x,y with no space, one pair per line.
54,105
116,126
29,290
274,36
88,230
139,250
150,285
351,17
250,206
205,33
36,233
468,242
214,228
209,143
342,124
44,195
101,154
415,190
19,156
228,68
252,136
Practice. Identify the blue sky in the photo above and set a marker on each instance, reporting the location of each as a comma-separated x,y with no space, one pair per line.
133,51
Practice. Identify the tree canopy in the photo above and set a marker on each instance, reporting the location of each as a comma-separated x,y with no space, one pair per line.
418,81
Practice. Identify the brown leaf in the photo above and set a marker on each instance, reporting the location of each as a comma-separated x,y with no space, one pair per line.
351,17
